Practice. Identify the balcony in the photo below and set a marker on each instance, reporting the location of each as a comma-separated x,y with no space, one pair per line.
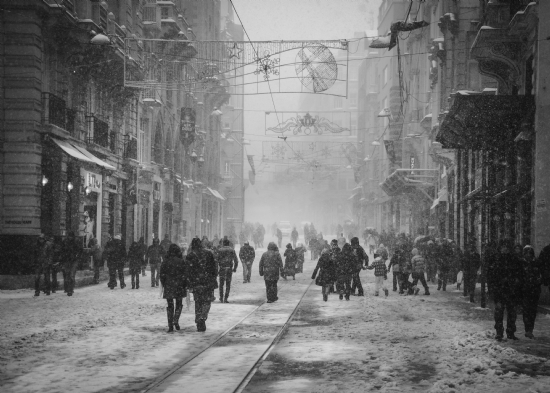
98,131
55,112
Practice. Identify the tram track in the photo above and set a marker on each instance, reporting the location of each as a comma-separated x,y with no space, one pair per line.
158,383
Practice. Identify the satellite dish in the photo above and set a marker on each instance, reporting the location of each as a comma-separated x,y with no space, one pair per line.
316,68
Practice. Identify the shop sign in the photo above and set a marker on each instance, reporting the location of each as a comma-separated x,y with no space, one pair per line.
20,222
91,180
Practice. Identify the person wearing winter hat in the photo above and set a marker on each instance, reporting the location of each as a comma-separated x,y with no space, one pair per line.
418,268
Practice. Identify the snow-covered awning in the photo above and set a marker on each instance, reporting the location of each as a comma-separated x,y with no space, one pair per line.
215,193
483,122
81,154
404,181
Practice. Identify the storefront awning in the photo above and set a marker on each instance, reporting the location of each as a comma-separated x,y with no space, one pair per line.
71,150
215,193
484,122
81,154
404,181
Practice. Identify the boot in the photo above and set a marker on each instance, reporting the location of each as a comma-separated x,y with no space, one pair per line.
416,290
177,314
529,335
512,336
325,297
427,292
170,314
137,281
499,335
386,292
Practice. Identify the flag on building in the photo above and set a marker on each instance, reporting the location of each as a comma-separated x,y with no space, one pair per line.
251,162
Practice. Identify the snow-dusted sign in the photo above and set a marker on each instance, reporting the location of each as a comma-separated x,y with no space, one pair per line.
308,123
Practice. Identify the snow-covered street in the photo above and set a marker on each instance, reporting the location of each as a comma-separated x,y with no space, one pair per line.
115,341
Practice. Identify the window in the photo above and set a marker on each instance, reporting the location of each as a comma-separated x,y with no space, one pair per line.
385,75
227,167
143,129
165,12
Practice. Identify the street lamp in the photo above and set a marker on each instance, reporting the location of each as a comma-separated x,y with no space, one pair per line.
70,186
45,180
193,156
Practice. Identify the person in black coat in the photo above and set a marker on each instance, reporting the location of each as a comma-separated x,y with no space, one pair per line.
173,276
227,264
327,273
362,263
290,262
247,255
135,258
531,289
202,273
143,252
115,263
271,266
345,266
72,254
505,281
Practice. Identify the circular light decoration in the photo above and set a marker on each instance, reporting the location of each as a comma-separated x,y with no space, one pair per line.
316,68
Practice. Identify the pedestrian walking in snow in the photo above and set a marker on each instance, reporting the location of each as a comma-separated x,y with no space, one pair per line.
202,281
97,258
135,261
346,263
380,273
362,263
154,257
396,261
174,276
313,246
247,255
294,237
418,263
300,257
271,267
227,264
279,237
505,279
327,273
43,260
531,289
143,253
334,252
471,264
72,254
57,264
117,257
290,262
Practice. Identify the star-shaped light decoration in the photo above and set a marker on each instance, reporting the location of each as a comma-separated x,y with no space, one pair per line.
299,155
235,51
278,151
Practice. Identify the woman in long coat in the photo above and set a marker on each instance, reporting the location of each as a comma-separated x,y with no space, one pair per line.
290,262
327,272
173,276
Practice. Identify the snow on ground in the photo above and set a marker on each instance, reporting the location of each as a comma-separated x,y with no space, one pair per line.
105,340
114,341
437,343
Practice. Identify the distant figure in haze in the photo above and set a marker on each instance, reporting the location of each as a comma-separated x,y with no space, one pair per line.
294,237
279,237
290,262
300,252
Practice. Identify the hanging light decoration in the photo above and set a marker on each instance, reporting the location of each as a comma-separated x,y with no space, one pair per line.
45,180
193,156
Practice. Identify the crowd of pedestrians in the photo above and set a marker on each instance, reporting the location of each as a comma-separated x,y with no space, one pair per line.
514,275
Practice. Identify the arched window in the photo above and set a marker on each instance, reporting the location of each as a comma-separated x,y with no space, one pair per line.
157,145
